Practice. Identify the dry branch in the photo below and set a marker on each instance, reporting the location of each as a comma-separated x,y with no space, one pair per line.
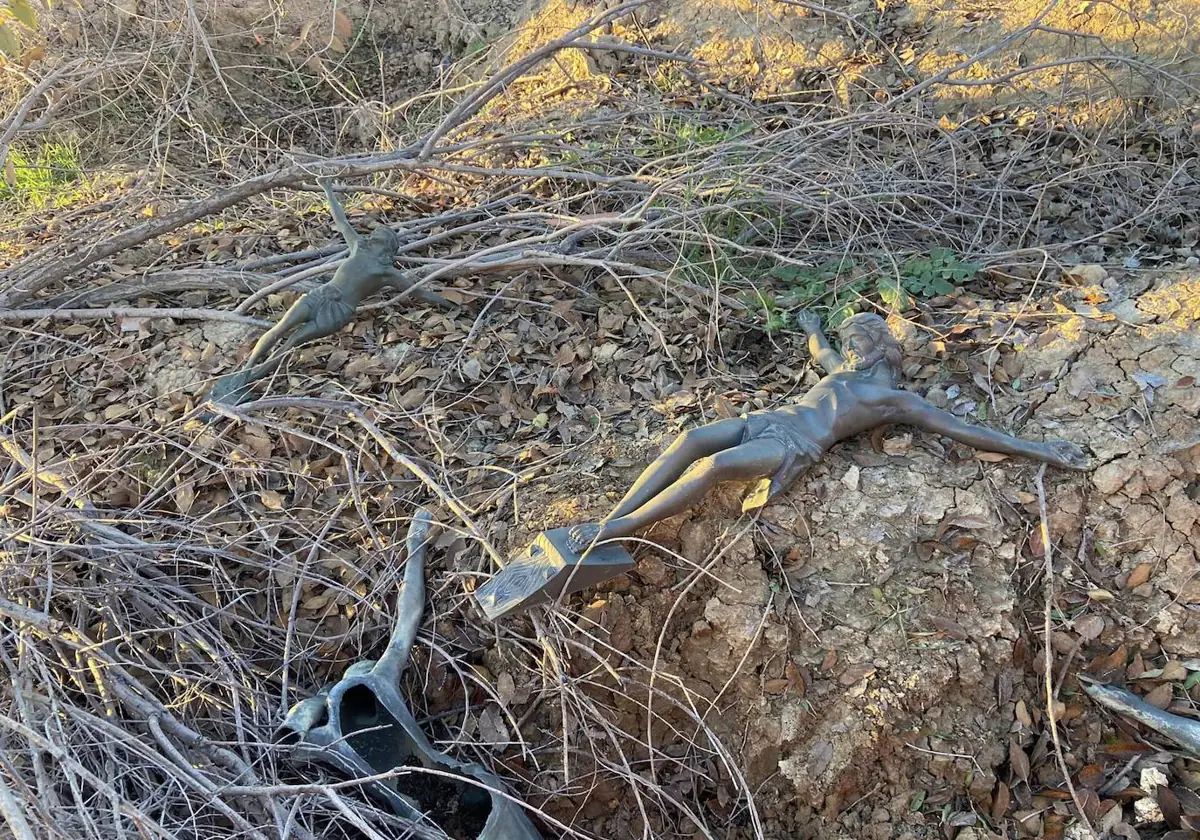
182,314
18,285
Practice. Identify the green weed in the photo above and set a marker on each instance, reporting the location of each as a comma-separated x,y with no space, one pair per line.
36,176
925,277
834,287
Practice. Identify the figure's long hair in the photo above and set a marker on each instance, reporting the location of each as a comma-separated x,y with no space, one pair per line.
887,348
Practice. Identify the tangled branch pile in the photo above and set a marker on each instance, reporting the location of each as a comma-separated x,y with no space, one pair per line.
169,589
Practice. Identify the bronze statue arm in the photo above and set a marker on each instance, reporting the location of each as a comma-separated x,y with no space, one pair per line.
823,354
339,215
398,279
912,409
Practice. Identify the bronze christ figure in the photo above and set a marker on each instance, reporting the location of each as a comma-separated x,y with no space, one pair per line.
329,307
776,446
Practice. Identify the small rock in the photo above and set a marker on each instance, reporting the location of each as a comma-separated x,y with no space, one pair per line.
1146,810
1126,312
937,397
654,572
1112,476
850,479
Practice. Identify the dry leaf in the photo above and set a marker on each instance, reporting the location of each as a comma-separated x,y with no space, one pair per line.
1086,275
1160,696
776,686
506,689
1018,761
1000,801
899,445
315,602
951,628
990,457
271,499
1138,576
1021,712
1089,627
1091,776
1169,804
185,496
342,26
855,673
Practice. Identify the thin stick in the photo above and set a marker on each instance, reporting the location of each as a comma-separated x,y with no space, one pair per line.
12,813
414,468
472,104
1048,676
182,314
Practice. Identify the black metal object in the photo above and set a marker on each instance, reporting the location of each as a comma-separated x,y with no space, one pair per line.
362,727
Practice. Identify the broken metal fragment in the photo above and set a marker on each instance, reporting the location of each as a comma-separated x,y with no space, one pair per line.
362,727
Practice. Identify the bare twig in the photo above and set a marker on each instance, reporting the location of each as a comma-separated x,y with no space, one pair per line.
1048,675
105,314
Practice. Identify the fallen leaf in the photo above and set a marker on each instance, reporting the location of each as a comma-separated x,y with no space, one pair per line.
1089,627
506,689
775,686
1086,275
951,628
990,457
271,499
856,673
1021,712
1018,761
1138,576
185,496
899,445
342,26
1001,800
1091,776
1174,671
1169,804
1160,696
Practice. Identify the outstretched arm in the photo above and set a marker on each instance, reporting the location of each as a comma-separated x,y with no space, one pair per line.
339,215
398,279
915,411
818,346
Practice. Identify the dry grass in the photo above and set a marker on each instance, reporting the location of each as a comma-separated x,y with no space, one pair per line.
167,590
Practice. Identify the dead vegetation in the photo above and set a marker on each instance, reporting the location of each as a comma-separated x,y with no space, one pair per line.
886,653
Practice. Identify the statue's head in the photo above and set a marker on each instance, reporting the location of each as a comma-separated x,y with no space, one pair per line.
383,242
867,340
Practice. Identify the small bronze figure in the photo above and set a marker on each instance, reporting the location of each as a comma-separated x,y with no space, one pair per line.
362,727
860,391
329,307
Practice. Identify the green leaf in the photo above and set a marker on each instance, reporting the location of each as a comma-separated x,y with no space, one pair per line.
786,273
24,12
940,286
10,42
1191,681
894,296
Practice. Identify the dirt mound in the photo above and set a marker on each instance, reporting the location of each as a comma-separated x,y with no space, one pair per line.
862,648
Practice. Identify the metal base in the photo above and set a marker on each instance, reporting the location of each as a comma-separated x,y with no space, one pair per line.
542,572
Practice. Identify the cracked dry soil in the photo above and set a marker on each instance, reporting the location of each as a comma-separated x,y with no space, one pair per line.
869,637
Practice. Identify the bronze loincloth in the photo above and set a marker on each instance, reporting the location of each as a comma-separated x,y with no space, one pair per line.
801,452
